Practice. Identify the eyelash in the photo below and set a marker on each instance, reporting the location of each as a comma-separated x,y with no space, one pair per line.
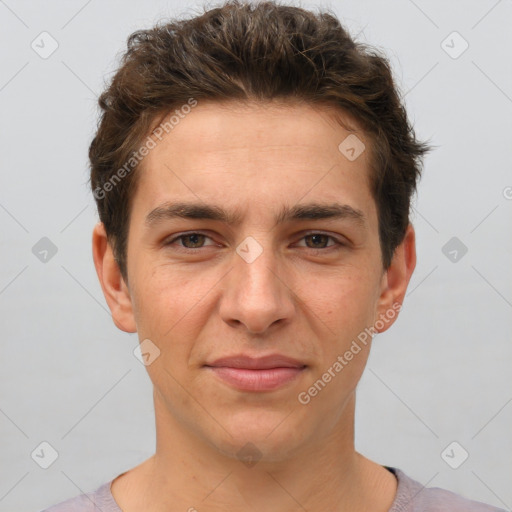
338,244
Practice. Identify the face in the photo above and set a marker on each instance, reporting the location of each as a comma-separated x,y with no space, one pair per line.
273,260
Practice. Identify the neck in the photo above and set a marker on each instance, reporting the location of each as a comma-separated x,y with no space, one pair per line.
187,473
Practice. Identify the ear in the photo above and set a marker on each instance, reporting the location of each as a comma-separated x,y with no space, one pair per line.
114,288
395,281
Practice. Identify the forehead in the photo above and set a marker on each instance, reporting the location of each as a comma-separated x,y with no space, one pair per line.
256,152
238,127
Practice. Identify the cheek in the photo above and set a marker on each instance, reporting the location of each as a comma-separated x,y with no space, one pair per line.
170,308
160,300
345,303
346,306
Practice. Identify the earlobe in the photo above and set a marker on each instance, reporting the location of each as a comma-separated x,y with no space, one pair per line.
395,281
112,283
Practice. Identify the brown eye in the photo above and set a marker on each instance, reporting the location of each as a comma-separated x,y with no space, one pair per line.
319,241
196,240
189,241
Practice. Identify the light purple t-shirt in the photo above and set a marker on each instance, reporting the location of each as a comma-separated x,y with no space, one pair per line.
411,496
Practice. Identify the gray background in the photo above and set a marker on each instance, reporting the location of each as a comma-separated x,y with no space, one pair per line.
441,374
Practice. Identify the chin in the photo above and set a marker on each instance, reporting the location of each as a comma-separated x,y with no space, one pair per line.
271,437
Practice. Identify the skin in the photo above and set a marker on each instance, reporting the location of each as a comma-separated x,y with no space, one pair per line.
294,299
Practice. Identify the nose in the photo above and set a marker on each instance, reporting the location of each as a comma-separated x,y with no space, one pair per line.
257,293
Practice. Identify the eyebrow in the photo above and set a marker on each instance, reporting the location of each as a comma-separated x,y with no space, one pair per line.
311,211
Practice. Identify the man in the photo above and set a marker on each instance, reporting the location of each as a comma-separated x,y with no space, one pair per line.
253,171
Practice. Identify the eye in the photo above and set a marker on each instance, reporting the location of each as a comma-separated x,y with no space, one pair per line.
319,241
195,240
190,240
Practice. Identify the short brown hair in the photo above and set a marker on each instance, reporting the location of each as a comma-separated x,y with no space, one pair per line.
261,52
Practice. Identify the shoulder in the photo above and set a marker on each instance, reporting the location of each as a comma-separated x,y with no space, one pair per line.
414,497
100,500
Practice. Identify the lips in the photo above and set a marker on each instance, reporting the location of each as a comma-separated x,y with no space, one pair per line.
257,363
256,374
